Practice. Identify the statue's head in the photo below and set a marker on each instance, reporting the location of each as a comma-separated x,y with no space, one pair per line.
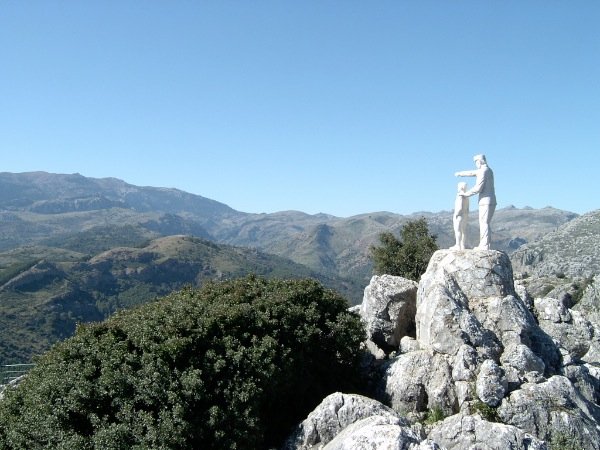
462,186
479,160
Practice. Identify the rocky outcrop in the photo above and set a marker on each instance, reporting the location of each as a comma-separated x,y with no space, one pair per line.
572,332
551,408
507,370
379,433
335,413
477,338
589,304
472,432
388,310
571,250
349,421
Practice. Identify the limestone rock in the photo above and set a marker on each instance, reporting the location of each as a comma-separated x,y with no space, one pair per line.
585,379
491,384
519,362
523,294
378,433
568,328
336,412
373,350
506,317
464,364
551,310
350,421
478,274
590,301
418,381
570,250
589,308
453,311
408,344
472,432
454,283
479,345
388,310
553,408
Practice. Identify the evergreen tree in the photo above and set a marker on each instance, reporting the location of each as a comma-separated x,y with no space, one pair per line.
408,256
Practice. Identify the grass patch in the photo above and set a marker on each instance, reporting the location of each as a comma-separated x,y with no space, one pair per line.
486,411
434,415
561,440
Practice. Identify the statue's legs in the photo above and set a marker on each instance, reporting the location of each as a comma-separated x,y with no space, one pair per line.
486,212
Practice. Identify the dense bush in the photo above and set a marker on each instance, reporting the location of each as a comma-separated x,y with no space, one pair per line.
232,365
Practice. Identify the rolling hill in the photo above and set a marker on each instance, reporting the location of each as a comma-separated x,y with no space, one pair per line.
42,300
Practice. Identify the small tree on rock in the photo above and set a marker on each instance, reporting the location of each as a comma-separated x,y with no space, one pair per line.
408,256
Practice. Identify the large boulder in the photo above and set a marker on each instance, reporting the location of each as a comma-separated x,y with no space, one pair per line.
462,431
416,382
336,412
570,329
520,363
388,310
455,284
475,341
468,298
477,273
491,383
478,342
350,421
379,433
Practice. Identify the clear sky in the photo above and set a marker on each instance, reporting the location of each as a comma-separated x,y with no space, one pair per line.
342,107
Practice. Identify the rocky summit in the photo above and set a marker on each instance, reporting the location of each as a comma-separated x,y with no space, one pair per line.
464,360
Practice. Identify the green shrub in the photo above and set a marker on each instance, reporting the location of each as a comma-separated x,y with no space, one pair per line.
560,440
487,412
546,290
580,288
231,365
434,415
408,256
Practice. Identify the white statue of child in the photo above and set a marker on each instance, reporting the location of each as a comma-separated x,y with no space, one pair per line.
460,217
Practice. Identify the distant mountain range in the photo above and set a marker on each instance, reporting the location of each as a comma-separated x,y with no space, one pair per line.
74,249
64,210
572,250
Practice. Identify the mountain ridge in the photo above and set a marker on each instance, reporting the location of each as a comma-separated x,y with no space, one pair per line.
44,186
53,229
292,234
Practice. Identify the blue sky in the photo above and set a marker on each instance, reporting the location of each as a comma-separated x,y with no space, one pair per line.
342,107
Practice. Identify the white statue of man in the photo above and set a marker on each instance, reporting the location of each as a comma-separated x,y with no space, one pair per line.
460,217
484,186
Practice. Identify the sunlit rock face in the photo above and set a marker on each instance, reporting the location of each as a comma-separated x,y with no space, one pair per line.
500,369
